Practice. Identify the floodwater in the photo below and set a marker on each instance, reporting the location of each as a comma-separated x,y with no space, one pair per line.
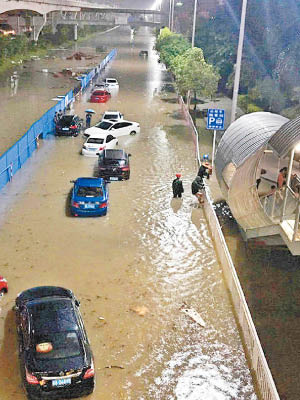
150,255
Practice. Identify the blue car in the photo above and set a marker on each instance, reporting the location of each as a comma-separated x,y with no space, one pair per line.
89,197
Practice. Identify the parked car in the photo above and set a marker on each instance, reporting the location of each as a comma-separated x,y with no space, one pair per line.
111,83
96,143
100,85
100,96
114,116
114,165
3,285
55,355
89,197
68,125
120,128
143,53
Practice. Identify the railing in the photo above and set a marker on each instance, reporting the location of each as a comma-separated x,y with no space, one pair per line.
252,344
14,158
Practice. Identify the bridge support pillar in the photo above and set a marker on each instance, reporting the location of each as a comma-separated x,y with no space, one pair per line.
75,32
37,24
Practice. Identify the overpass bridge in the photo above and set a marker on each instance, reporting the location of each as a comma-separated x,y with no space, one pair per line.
22,15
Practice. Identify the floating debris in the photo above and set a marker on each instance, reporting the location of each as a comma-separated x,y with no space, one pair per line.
192,313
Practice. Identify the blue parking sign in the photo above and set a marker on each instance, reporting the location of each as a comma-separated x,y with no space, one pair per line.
215,119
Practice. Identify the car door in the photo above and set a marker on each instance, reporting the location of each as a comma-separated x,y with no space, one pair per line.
120,129
110,142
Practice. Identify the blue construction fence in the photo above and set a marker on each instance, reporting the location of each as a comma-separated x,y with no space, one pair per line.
14,158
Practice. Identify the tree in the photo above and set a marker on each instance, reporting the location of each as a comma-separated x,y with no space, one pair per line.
170,45
194,74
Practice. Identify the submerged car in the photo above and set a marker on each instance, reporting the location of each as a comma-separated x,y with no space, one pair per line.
114,165
96,143
68,125
3,285
55,355
114,116
100,96
89,197
111,83
117,129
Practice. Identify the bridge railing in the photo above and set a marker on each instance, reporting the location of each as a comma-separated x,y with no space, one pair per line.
15,157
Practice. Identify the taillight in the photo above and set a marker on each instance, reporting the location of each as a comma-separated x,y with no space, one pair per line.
101,148
125,169
89,373
31,379
75,204
73,126
103,205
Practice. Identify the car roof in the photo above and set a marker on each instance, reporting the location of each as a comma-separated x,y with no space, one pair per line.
100,135
112,112
52,315
115,153
39,292
89,181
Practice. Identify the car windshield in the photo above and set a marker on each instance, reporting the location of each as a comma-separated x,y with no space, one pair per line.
104,125
109,161
66,120
110,116
99,93
95,140
56,345
111,81
88,191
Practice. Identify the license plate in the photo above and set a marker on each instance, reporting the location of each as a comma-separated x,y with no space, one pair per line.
114,178
89,205
65,129
61,382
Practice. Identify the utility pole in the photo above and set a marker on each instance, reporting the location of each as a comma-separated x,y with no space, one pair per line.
194,24
238,62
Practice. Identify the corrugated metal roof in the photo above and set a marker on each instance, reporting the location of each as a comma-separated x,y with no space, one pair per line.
245,136
286,137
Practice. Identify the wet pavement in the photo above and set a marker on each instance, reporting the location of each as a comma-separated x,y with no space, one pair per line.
150,255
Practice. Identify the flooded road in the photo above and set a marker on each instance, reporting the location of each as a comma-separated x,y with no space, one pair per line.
150,255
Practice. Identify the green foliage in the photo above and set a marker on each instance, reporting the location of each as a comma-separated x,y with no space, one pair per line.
170,45
194,74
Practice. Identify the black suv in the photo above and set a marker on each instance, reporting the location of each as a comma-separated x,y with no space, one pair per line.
68,125
114,165
55,356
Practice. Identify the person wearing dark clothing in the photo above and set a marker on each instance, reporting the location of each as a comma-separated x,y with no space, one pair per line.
177,186
59,115
197,189
88,120
204,170
55,118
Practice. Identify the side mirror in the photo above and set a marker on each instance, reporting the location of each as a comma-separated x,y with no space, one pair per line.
97,154
77,303
129,154
72,181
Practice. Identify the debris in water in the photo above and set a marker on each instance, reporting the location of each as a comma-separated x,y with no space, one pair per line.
192,313
140,310
115,366
101,318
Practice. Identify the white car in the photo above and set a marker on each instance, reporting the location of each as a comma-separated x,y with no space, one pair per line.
97,143
117,129
111,83
114,116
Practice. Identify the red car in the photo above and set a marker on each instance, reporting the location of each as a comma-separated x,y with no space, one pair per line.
100,96
3,285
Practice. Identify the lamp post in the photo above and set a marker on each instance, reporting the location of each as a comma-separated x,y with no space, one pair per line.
194,23
238,62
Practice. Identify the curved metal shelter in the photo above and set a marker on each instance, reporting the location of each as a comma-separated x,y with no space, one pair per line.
257,146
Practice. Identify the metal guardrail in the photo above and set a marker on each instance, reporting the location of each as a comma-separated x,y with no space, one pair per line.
14,158
251,340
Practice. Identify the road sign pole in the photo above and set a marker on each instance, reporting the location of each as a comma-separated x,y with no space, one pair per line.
213,149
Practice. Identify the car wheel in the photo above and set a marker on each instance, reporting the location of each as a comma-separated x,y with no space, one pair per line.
132,133
3,291
75,134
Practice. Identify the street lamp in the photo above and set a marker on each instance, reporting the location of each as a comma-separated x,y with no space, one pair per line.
194,23
171,12
238,62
